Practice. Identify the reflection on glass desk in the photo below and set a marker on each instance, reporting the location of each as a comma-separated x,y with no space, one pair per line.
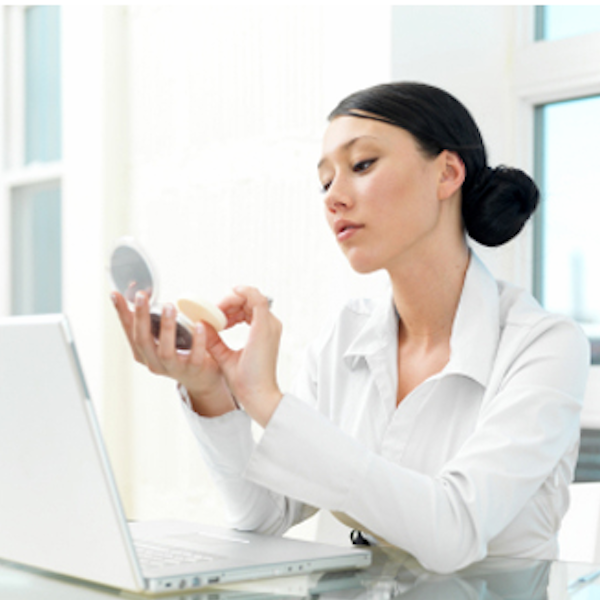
393,574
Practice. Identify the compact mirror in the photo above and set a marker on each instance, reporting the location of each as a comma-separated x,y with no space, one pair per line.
131,272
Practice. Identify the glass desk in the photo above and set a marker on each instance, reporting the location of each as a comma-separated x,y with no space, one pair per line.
393,574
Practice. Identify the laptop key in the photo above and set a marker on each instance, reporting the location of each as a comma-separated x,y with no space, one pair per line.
155,555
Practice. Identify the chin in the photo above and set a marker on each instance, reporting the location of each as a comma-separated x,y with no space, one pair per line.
363,270
362,266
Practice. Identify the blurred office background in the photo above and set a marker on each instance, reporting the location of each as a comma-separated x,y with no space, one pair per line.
197,131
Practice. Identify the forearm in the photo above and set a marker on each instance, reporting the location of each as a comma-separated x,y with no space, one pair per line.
252,507
336,472
226,443
446,520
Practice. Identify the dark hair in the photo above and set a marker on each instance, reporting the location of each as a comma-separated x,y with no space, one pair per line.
496,203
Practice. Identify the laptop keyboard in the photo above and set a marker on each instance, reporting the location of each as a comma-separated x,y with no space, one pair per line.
153,555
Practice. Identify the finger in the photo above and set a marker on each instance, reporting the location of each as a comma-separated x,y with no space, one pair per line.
222,354
240,316
253,300
142,335
252,295
210,335
233,308
198,350
130,291
231,302
126,318
125,315
165,350
265,327
239,306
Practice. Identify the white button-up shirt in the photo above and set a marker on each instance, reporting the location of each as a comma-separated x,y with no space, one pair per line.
475,461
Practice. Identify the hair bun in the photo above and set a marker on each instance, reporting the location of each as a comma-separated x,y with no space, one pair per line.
498,205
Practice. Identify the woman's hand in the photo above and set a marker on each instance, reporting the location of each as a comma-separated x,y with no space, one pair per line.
196,370
251,371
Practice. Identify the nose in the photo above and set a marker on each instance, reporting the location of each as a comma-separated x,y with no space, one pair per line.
337,197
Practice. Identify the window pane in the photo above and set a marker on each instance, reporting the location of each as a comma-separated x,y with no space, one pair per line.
556,22
568,243
36,249
42,84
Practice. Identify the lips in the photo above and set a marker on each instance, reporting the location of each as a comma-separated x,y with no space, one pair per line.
343,229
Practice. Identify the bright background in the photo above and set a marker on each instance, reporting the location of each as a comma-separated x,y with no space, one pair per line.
197,130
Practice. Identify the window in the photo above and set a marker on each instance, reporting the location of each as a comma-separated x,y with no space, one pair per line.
556,22
36,248
42,84
568,281
31,176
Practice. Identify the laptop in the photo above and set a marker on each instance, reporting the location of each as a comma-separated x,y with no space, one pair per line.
60,509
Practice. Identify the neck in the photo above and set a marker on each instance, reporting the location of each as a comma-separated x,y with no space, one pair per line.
427,291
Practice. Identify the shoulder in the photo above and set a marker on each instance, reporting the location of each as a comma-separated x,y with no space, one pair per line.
526,327
514,309
520,310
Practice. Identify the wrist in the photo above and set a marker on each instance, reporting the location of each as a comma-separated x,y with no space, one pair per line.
213,402
262,408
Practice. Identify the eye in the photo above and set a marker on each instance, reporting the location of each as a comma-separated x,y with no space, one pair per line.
363,165
325,187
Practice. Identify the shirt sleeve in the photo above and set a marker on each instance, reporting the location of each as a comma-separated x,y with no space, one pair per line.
447,520
226,443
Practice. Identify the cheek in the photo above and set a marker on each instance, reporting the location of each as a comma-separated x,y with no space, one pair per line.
398,197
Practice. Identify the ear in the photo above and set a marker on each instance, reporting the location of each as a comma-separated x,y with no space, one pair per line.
452,174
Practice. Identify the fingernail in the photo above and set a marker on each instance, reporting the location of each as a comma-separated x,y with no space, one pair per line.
139,299
113,297
168,310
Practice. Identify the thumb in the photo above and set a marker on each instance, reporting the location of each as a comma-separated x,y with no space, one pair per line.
216,346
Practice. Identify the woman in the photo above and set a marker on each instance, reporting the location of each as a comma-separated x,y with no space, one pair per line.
443,419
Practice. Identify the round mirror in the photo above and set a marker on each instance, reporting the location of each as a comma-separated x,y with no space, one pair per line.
130,271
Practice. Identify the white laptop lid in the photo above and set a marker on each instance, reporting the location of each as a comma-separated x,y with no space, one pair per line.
54,470
59,505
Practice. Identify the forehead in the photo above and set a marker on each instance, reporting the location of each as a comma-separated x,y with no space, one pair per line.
344,132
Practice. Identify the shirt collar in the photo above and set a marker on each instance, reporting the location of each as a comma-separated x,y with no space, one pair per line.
476,328
475,331
379,331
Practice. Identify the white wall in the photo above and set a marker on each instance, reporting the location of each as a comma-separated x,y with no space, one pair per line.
96,208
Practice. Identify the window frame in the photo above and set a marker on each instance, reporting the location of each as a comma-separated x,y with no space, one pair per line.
14,172
574,74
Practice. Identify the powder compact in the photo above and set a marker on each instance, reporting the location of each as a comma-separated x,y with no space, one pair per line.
131,272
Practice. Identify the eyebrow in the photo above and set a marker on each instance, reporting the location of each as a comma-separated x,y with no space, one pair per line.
345,147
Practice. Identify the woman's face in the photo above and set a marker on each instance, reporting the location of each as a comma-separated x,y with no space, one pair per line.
382,194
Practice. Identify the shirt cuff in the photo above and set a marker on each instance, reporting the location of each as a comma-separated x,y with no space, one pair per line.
184,395
225,441
304,455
